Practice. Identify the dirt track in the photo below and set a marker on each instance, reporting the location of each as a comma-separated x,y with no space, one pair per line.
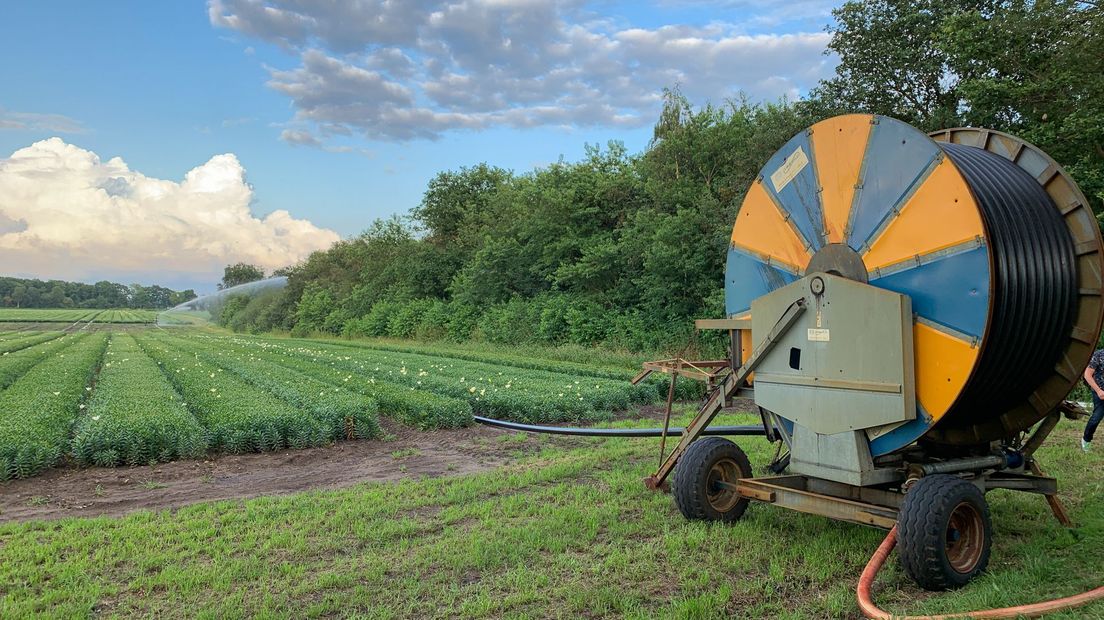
70,492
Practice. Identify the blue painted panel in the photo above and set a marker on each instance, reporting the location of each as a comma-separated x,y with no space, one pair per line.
799,197
952,291
896,156
902,435
747,278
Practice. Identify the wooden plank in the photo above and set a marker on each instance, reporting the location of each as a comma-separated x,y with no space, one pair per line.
843,384
724,324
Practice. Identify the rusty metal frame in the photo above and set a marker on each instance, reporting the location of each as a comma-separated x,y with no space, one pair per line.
721,393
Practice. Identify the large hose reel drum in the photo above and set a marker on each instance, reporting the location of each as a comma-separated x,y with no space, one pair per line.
993,242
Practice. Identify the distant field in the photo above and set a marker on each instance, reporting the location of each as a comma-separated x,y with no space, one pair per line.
66,315
157,395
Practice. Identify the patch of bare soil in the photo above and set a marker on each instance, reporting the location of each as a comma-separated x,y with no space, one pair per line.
407,453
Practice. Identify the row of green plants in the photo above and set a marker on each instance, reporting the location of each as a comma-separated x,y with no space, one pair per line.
46,315
134,416
685,390
345,413
127,316
491,390
418,408
66,315
15,364
238,416
22,340
38,410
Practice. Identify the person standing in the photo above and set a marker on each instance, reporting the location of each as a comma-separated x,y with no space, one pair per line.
1094,376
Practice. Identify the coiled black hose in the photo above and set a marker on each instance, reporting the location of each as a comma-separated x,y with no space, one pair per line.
1033,287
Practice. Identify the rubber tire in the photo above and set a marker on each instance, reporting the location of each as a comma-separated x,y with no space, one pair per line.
922,531
692,479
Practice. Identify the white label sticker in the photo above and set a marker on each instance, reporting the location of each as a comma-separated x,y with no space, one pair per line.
818,335
792,165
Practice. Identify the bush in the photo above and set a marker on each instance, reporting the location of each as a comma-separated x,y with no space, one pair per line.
462,321
406,316
513,322
434,323
587,322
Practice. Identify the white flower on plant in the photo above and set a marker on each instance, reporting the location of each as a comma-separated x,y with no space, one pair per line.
82,406
471,390
57,393
95,418
213,390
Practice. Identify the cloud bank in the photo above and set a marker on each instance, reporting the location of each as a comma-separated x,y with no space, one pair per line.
416,69
66,214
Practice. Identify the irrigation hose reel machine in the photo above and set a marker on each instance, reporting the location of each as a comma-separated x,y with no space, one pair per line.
908,312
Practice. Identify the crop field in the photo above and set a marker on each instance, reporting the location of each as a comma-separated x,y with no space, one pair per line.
161,395
563,527
61,315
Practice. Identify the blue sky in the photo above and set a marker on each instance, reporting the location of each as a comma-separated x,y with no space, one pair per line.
336,116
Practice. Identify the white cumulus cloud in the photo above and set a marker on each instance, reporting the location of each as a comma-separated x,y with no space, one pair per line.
66,214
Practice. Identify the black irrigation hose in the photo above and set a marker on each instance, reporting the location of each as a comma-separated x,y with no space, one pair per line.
750,430
1033,285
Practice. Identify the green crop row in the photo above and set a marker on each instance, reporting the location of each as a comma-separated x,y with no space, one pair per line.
495,391
15,342
345,413
418,408
127,316
38,411
684,390
238,416
135,417
15,364
46,315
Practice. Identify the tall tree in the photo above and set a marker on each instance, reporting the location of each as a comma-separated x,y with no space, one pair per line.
240,273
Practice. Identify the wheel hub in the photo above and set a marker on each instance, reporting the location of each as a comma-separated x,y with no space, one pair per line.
964,538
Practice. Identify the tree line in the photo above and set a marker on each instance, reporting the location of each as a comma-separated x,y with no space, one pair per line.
625,249
30,293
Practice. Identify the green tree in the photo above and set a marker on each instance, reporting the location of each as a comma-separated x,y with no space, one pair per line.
240,273
891,61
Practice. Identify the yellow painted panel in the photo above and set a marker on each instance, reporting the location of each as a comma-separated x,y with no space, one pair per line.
760,228
941,213
838,147
943,364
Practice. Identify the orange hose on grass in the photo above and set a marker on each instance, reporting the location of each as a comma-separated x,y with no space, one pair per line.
872,611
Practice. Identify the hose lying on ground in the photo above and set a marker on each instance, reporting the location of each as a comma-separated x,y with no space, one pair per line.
871,610
749,430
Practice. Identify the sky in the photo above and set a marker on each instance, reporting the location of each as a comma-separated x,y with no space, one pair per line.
156,142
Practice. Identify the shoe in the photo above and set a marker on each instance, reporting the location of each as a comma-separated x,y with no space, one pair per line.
1085,445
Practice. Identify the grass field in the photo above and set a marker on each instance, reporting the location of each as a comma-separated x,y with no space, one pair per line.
62,315
569,531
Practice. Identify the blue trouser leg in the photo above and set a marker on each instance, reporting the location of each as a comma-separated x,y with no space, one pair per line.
1094,420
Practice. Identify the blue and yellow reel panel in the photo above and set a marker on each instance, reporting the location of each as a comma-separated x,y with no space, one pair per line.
886,191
